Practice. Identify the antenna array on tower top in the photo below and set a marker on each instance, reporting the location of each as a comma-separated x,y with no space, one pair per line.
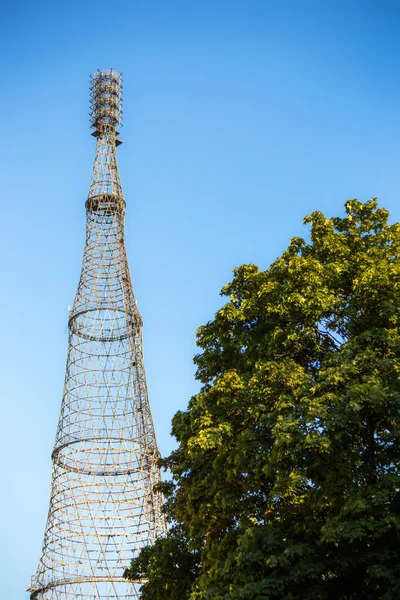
106,98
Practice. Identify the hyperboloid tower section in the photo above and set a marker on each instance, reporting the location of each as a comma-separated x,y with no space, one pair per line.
102,505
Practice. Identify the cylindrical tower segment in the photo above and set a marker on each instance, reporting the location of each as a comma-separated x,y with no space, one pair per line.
106,98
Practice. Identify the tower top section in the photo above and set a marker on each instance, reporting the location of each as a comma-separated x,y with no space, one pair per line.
106,101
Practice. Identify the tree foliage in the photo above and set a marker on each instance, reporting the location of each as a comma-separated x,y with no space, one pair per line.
285,483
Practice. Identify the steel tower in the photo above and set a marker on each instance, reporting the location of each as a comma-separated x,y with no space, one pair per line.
102,505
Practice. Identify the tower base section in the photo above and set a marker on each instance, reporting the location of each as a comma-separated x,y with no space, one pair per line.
97,588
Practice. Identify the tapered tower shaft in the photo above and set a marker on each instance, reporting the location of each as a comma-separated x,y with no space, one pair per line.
102,507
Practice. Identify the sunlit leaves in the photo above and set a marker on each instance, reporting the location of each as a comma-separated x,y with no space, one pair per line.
286,475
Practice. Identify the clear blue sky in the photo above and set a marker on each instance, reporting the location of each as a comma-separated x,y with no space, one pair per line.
240,118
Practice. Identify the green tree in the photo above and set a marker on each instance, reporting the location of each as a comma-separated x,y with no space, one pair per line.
285,483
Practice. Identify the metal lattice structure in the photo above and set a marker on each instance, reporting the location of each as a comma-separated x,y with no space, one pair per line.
102,505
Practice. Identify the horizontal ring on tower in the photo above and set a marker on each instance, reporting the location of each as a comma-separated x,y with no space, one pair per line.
85,330
129,456
35,591
107,203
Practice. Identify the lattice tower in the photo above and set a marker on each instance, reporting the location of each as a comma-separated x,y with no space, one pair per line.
102,505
